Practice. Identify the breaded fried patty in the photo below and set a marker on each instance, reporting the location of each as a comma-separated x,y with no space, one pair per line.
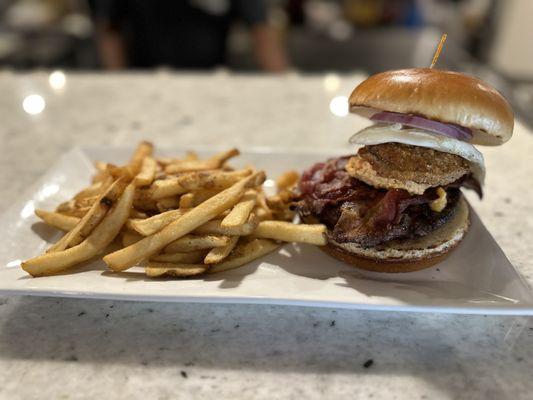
401,166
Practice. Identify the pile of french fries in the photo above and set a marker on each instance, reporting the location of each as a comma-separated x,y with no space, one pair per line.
173,217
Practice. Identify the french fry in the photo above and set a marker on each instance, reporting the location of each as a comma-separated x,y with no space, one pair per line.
191,257
147,173
191,156
189,243
215,227
245,253
125,173
151,225
262,214
212,180
213,162
167,204
287,180
91,219
157,269
143,150
187,200
289,232
94,190
191,181
95,244
241,211
138,214
129,237
57,220
102,175
202,195
66,206
217,254
125,258
86,202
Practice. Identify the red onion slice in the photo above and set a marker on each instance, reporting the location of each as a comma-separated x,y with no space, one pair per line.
449,130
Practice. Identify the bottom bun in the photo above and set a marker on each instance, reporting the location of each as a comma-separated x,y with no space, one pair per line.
406,255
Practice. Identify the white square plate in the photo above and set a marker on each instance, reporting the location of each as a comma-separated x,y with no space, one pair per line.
476,278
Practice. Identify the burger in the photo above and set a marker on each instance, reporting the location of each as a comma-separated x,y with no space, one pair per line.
396,205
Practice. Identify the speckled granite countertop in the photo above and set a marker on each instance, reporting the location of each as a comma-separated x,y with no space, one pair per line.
73,349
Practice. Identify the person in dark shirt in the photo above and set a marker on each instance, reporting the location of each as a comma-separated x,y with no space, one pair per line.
186,34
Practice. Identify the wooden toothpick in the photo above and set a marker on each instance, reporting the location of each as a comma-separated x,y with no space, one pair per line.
439,49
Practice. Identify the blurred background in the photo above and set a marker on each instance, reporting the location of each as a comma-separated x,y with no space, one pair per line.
488,38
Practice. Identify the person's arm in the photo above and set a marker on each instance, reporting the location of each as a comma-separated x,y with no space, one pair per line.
108,16
266,42
111,47
267,48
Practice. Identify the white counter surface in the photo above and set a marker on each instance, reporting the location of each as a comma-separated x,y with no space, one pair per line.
74,349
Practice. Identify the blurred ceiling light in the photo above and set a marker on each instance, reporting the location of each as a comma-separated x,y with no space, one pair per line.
339,106
332,82
33,104
57,80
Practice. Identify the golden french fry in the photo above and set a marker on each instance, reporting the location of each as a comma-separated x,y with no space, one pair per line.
189,243
167,204
262,201
287,180
212,180
289,232
262,214
137,214
125,173
217,254
129,237
202,195
191,257
149,226
96,243
147,173
191,156
187,200
241,211
143,150
191,181
147,247
78,212
215,227
57,220
91,219
94,190
100,166
66,206
162,188
86,201
213,162
157,269
245,253
102,174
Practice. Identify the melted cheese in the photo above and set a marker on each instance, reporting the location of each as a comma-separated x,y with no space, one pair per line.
438,204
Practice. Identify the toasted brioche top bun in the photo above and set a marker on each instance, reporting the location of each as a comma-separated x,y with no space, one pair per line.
380,133
406,255
444,96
